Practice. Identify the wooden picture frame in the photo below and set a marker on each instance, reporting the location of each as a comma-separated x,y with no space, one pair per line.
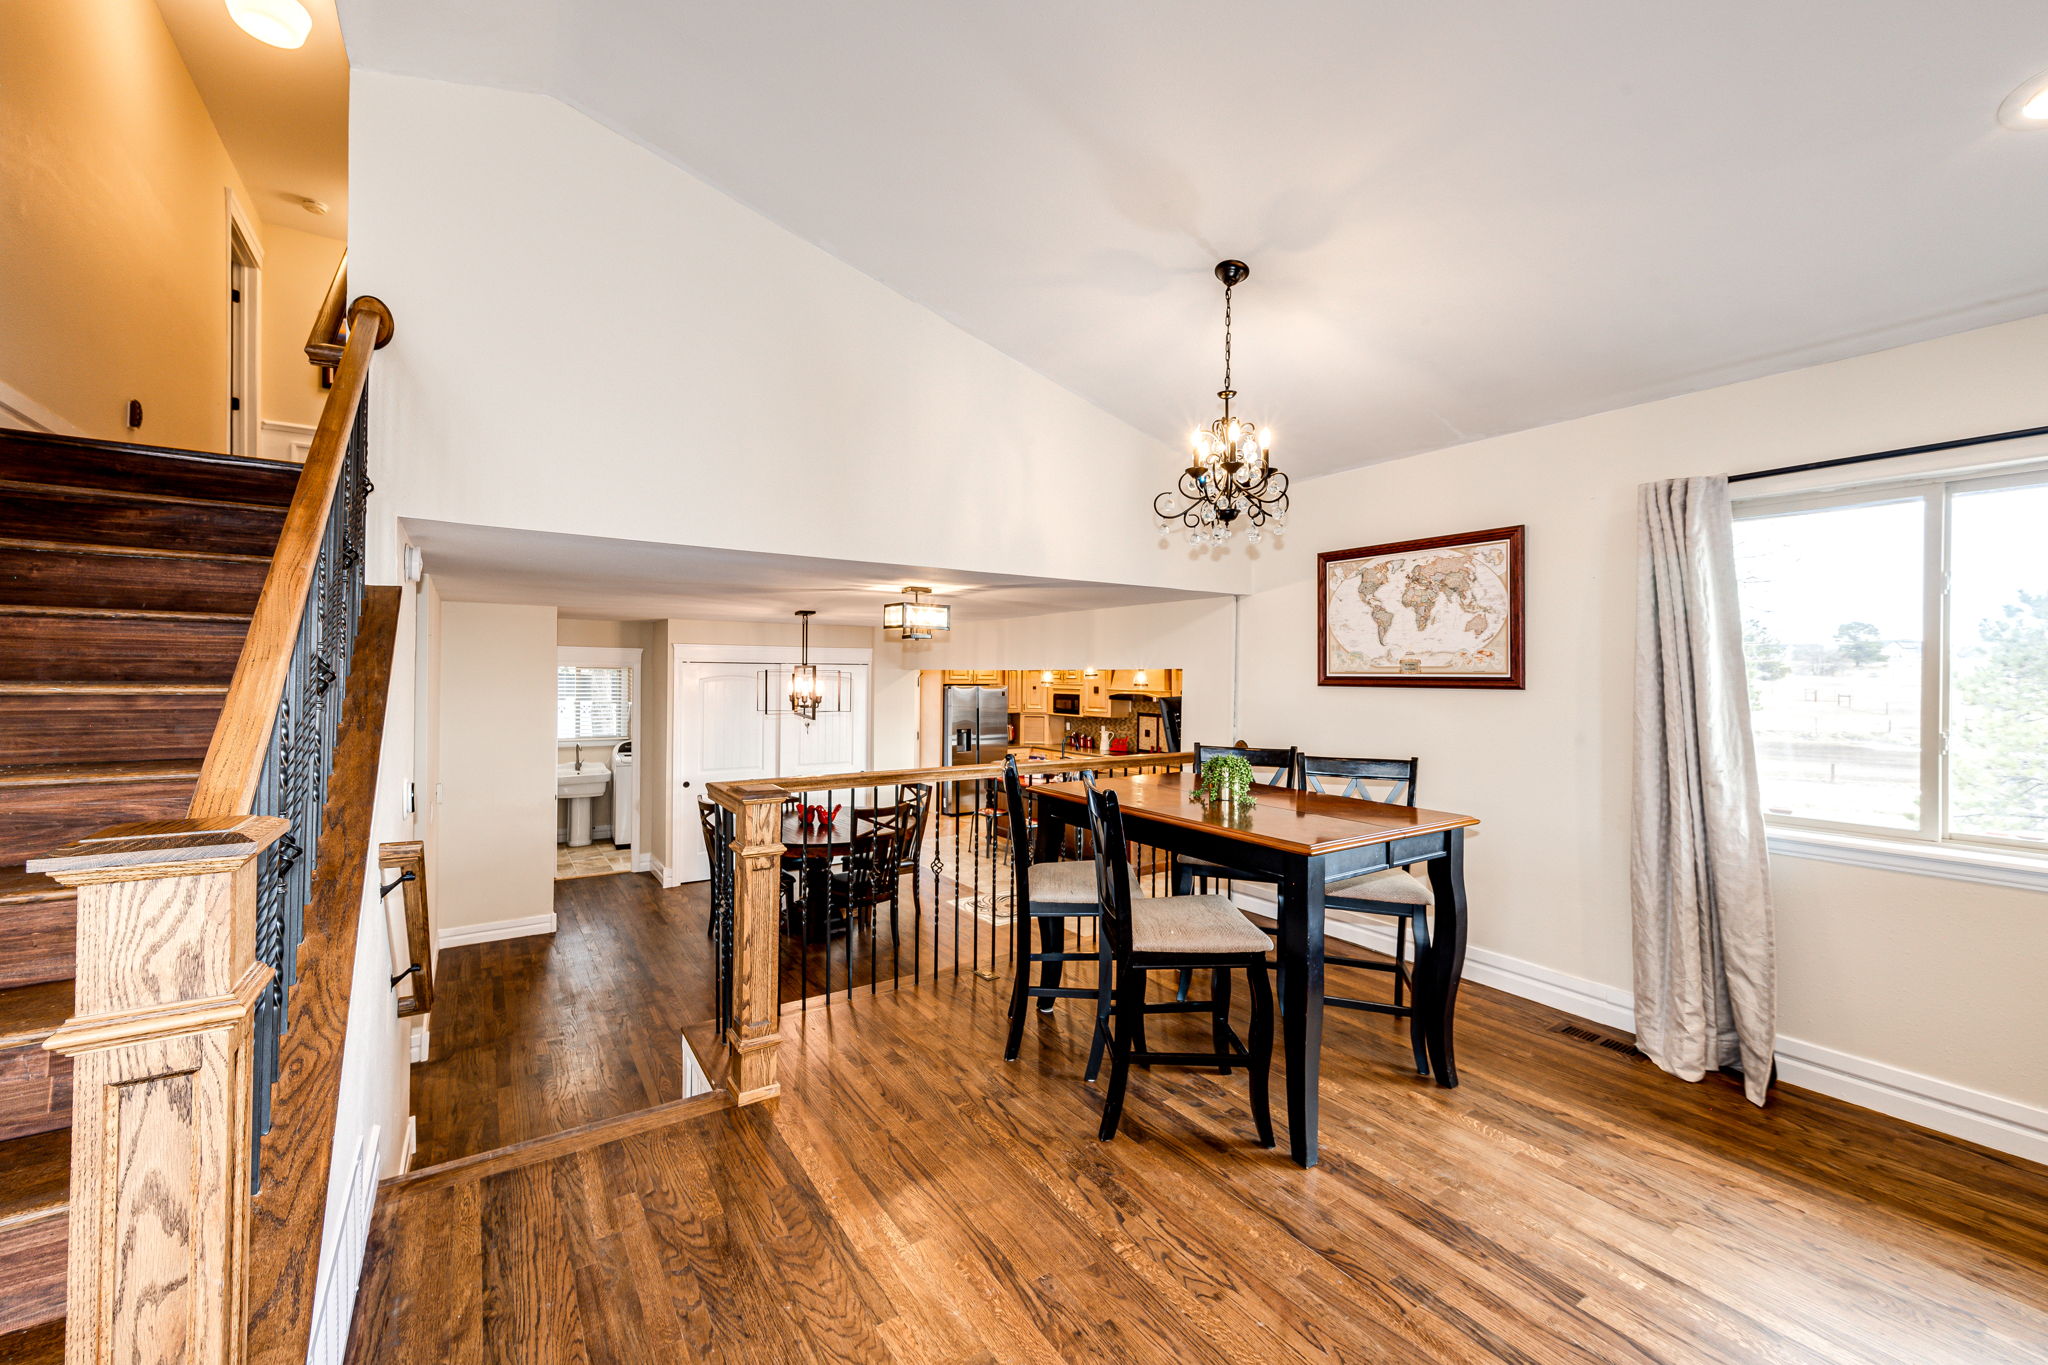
1404,629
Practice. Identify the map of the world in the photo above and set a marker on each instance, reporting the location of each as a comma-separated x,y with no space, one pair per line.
1442,611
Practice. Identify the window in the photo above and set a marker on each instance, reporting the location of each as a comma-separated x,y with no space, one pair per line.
1897,645
593,702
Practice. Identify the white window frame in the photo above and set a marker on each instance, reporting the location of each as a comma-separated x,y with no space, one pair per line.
1932,849
595,656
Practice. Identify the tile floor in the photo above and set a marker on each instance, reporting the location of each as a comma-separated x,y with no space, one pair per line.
599,858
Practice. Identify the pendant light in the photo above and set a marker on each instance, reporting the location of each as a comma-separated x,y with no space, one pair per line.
1230,472
811,689
916,619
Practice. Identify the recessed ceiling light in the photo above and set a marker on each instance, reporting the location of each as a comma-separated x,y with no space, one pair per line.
281,23
2026,109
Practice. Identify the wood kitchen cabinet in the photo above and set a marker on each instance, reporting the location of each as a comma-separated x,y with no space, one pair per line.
1095,696
1029,696
984,677
1038,729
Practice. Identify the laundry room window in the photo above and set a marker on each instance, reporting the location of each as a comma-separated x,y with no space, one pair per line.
593,703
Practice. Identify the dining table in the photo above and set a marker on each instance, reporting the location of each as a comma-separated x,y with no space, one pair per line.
1307,839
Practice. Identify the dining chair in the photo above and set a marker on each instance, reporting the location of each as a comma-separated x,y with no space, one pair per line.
883,847
1047,895
1392,892
1271,768
1176,933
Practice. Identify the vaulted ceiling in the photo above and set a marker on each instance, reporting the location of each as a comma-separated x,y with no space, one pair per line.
1462,219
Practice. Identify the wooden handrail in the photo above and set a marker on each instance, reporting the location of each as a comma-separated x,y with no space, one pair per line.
410,856
286,1218
324,342
234,758
737,796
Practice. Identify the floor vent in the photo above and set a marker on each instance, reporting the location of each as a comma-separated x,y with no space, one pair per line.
1586,1035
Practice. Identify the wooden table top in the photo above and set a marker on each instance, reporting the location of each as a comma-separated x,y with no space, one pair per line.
1295,822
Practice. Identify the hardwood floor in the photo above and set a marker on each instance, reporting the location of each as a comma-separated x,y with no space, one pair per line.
913,1198
534,1035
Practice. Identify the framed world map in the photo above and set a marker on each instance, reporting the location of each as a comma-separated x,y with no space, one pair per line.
1442,612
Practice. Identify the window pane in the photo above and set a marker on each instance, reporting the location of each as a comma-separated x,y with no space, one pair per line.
592,703
1998,663
1832,630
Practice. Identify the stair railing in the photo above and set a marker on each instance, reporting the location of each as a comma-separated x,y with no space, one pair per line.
780,883
192,1239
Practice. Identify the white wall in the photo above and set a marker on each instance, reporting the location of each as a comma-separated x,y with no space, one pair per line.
592,341
496,839
1926,976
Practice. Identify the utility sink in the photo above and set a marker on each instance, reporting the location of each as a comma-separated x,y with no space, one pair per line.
577,787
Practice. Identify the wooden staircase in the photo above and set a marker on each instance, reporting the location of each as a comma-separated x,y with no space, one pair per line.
127,578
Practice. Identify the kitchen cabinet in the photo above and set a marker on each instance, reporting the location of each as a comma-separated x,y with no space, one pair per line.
1095,696
980,677
1038,729
1029,696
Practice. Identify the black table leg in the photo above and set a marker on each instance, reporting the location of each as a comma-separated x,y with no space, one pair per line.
1301,954
1440,969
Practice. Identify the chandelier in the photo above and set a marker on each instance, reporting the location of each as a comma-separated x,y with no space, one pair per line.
916,619
811,689
1229,473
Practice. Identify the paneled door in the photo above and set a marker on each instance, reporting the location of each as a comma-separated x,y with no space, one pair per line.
724,736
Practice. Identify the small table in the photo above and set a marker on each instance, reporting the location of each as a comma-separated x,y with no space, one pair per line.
1307,838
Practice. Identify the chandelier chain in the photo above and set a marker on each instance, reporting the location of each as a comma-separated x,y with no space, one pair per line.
1226,336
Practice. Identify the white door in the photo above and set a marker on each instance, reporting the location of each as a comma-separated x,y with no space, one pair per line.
724,736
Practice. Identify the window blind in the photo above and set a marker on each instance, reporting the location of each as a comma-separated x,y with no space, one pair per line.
593,702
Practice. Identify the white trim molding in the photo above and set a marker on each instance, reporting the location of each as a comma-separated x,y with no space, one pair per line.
491,931
1991,1120
287,442
1991,866
19,410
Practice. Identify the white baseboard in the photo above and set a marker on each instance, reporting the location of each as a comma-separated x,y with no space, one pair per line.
412,1143
494,930
1992,1120
695,1082
661,872
334,1297
643,861
19,410
286,441
596,832
419,1047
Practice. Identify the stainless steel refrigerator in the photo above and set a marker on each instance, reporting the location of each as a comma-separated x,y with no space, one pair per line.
977,721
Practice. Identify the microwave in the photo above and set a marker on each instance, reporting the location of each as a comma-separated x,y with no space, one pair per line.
1066,703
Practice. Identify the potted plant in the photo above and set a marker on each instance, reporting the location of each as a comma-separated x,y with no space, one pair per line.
1226,779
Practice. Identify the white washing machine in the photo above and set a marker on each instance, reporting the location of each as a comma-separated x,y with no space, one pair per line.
625,796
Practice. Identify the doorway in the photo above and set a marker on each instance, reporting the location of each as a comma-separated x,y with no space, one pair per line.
245,322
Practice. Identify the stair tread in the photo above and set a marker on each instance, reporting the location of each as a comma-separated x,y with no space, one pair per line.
39,1345
118,613
17,885
109,689
84,462
88,547
92,493
35,1175
29,1014
82,774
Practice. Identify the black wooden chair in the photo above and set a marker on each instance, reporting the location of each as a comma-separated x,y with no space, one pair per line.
884,847
1391,892
1047,895
1271,768
1176,933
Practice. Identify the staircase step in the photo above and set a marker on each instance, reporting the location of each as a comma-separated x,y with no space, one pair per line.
35,1083
74,644
40,1345
106,722
35,1186
43,806
38,928
77,516
52,574
76,462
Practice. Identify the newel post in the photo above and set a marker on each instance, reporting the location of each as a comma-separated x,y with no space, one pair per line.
755,1032
162,1042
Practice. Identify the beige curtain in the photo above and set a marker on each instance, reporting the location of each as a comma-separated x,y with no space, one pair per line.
1706,972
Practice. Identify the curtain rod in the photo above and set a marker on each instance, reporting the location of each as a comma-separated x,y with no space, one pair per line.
1888,454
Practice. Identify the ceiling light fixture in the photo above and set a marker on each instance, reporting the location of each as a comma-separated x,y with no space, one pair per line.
2025,110
1229,473
811,689
916,619
281,23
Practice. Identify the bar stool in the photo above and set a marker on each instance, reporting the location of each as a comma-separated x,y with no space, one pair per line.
1048,895
1175,933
